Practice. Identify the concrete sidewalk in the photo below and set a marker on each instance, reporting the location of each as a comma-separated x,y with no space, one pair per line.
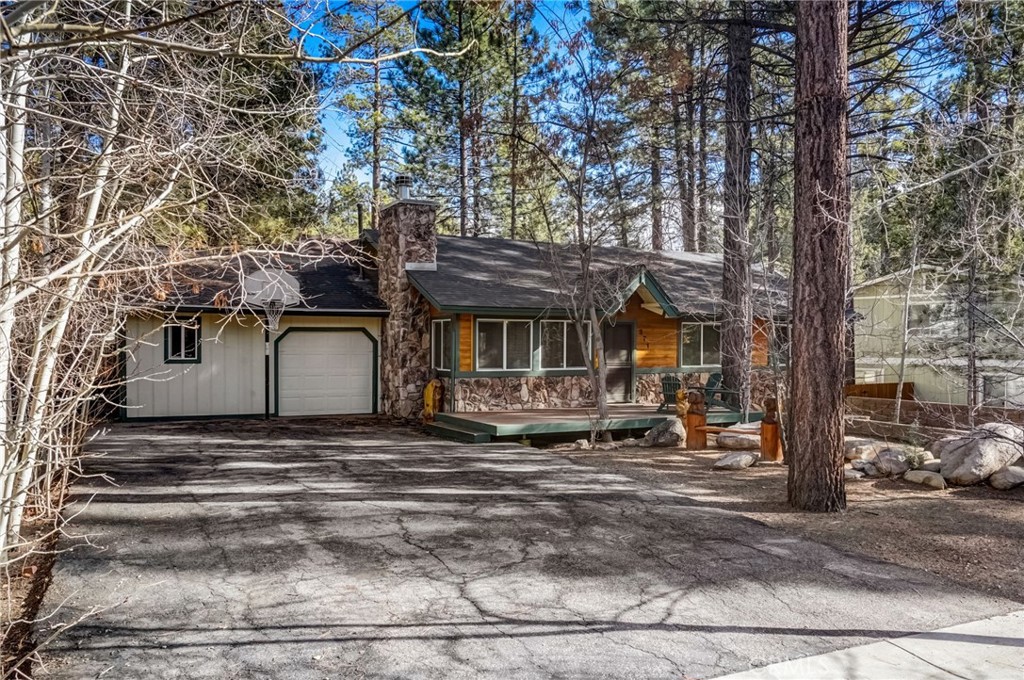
990,649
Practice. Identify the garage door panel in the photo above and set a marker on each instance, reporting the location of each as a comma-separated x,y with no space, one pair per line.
325,373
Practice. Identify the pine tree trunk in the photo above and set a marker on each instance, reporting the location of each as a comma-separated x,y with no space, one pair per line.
703,214
820,258
737,311
463,155
657,229
513,165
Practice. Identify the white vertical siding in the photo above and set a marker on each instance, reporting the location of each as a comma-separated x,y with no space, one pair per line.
228,380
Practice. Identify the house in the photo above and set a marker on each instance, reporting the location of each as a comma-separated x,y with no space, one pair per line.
928,324
489,317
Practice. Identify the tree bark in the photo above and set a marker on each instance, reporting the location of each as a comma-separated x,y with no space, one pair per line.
820,256
737,283
703,214
463,155
657,229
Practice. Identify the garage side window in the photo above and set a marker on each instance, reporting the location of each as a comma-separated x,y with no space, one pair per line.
183,341
441,344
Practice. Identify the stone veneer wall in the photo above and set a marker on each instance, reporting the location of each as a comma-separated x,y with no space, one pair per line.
648,385
406,235
515,393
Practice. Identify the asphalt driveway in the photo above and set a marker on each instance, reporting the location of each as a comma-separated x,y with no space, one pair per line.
328,550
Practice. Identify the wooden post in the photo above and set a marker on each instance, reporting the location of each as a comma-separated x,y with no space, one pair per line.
771,442
696,420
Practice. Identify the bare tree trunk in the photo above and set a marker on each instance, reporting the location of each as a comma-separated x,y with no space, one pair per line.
377,147
820,257
737,283
904,328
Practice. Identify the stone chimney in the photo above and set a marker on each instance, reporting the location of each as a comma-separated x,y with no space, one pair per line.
407,243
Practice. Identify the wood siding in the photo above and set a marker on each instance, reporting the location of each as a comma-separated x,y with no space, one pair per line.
657,337
466,342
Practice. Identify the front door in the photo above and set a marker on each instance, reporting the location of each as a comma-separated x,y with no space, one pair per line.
618,357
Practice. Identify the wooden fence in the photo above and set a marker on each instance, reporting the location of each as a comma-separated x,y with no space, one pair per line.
930,413
880,390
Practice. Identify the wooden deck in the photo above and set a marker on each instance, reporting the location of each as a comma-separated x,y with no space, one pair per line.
482,426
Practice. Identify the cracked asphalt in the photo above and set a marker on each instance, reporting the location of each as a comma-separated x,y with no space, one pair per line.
330,549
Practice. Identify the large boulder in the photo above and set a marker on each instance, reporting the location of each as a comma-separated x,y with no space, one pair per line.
1007,478
974,457
860,448
891,462
932,479
669,433
736,461
740,437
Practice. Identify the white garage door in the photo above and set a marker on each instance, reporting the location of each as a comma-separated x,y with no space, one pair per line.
325,373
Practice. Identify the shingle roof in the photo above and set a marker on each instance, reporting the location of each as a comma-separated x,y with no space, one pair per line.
490,273
328,283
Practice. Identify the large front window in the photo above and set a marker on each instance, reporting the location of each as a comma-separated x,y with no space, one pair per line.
699,344
441,344
504,345
560,344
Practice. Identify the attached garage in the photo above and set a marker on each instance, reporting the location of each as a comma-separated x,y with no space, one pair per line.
200,360
326,371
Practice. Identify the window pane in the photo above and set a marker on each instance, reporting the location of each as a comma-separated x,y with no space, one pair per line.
446,344
552,335
518,353
574,357
488,344
690,344
435,345
711,356
177,348
191,342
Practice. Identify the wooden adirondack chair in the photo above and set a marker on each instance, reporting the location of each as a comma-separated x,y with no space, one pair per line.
670,384
715,391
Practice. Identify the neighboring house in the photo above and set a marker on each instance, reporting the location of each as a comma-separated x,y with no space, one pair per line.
487,316
922,323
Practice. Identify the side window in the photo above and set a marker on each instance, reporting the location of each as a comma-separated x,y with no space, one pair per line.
441,344
699,344
183,341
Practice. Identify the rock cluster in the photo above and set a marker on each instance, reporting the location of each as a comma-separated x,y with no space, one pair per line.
991,452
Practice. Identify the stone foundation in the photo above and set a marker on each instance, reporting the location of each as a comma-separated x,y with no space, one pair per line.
648,386
518,393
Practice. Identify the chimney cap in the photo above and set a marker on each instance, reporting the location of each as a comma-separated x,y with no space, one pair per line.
403,180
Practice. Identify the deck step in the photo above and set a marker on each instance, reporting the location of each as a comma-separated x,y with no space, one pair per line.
454,420
459,434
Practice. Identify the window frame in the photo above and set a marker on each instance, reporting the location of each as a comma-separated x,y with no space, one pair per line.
445,356
182,326
566,323
701,324
504,344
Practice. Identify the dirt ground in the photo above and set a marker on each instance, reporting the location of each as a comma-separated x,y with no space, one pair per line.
971,535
